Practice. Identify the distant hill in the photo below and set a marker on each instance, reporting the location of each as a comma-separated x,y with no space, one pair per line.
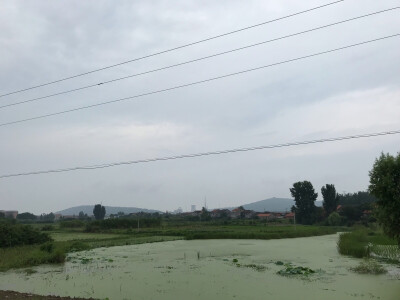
273,204
88,209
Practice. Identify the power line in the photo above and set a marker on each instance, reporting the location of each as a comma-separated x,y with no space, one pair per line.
197,59
172,49
290,144
196,82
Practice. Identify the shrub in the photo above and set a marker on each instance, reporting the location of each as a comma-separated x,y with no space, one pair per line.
48,247
16,234
47,228
334,219
72,224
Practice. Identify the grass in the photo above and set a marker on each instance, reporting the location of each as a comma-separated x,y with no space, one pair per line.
364,243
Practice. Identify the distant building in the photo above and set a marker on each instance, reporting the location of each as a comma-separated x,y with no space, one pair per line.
289,215
220,213
266,216
178,211
10,213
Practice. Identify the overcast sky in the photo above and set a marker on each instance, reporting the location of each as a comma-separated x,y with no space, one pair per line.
354,91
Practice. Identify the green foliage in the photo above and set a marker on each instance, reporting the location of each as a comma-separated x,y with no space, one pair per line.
330,198
369,266
26,216
47,228
385,185
334,219
361,243
47,217
359,198
205,215
291,270
122,223
268,233
99,212
16,234
351,214
304,197
72,224
354,244
48,247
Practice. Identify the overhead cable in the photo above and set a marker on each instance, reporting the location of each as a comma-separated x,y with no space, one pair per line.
140,161
195,60
196,82
171,49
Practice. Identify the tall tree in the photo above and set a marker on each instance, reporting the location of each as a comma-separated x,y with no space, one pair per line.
304,196
331,198
384,181
99,212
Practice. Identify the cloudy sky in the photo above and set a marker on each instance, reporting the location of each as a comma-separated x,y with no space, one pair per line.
354,91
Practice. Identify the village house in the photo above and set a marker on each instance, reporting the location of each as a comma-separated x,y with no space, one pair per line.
266,216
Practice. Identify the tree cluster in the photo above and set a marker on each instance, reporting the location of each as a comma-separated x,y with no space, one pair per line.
385,186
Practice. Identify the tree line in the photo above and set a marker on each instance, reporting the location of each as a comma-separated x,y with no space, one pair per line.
380,203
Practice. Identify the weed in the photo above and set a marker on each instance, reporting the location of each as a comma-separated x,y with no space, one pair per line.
48,247
30,271
369,266
255,267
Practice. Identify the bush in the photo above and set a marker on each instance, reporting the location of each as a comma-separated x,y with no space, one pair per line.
72,224
48,247
16,234
334,219
47,228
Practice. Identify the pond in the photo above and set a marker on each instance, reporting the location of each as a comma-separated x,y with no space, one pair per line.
208,269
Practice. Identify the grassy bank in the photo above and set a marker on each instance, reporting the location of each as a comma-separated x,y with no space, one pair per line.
364,243
56,252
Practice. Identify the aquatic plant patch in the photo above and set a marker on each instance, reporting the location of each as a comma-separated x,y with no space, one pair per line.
291,270
369,266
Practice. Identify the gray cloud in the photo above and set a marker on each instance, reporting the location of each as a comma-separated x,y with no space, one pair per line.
351,92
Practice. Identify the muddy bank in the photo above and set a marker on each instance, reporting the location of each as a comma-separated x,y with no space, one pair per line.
208,269
21,296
